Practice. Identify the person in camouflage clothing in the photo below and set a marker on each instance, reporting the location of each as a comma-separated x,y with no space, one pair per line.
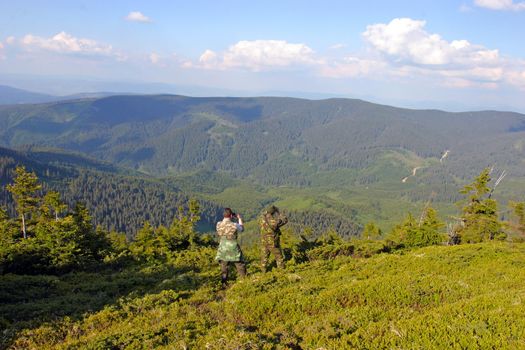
270,223
229,250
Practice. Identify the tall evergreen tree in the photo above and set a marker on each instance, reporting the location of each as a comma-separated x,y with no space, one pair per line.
24,191
429,230
181,233
479,215
52,205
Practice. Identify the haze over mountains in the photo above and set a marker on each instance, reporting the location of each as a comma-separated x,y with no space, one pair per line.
62,88
12,96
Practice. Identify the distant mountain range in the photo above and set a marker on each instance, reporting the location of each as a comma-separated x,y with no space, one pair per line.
13,96
10,95
275,140
356,159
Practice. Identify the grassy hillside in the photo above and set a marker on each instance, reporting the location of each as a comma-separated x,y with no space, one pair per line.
464,297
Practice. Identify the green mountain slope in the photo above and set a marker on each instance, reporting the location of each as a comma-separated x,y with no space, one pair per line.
118,199
468,297
121,199
274,140
352,159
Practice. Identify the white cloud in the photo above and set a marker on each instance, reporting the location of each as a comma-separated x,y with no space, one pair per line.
501,5
66,43
405,40
10,40
2,56
259,55
208,59
403,49
137,16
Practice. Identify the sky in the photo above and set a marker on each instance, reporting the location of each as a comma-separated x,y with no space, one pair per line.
444,54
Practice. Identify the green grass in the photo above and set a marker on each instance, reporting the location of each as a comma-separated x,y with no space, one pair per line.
461,297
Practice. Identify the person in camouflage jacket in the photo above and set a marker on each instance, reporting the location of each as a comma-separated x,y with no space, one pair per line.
270,224
229,250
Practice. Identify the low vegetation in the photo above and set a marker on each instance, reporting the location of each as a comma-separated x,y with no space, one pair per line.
66,284
467,296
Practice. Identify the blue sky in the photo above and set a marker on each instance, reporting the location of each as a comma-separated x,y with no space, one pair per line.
442,53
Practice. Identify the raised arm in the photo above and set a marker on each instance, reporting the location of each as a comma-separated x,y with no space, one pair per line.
283,220
240,225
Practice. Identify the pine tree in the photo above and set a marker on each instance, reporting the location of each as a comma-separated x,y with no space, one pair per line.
6,228
429,231
24,191
479,215
399,234
194,212
146,244
181,233
410,233
371,231
52,205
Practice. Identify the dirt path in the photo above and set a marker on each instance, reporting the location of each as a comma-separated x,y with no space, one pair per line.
414,171
445,155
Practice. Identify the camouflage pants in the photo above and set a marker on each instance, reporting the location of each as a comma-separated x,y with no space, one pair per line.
241,269
271,244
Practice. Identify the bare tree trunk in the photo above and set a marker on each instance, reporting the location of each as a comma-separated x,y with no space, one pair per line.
24,226
56,216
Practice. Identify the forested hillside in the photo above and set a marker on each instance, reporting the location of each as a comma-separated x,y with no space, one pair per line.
344,159
274,140
123,200
117,201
